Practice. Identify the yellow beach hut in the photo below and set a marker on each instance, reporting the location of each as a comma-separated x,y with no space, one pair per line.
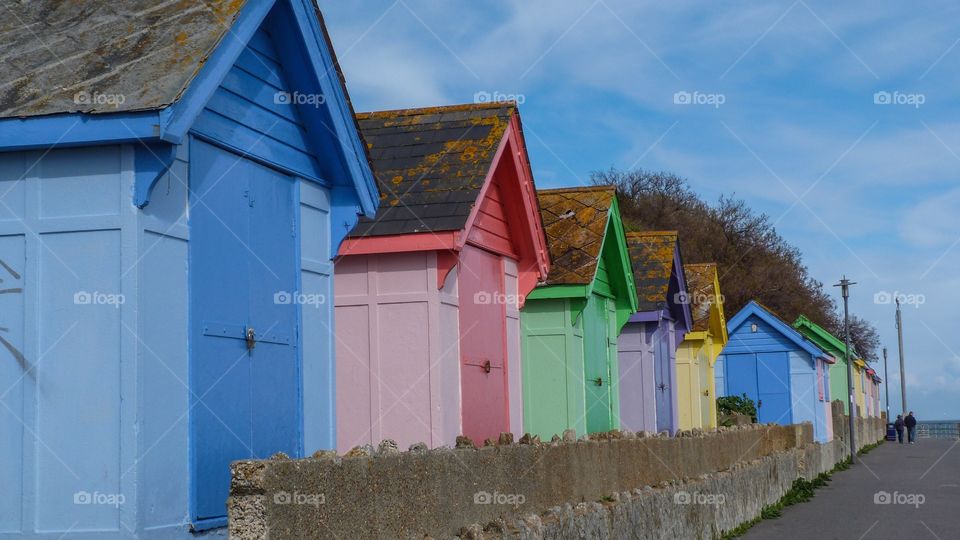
700,348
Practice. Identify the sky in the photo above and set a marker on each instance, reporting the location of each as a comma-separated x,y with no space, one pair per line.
833,118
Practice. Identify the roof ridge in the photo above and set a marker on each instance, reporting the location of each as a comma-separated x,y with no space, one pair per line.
653,233
700,265
423,111
577,189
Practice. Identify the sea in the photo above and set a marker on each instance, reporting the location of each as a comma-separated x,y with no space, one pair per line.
947,429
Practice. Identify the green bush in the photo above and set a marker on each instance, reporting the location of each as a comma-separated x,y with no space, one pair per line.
737,404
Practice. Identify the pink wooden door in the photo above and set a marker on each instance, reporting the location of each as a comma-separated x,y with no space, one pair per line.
483,372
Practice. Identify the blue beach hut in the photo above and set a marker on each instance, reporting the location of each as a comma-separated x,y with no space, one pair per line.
776,367
175,179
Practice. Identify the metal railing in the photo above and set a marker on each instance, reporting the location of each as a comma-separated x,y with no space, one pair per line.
938,430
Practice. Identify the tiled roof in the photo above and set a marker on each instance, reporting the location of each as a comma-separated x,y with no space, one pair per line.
702,292
652,255
575,221
55,52
430,164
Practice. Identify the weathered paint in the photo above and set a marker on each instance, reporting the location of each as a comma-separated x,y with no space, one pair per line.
697,354
777,367
570,330
429,347
97,338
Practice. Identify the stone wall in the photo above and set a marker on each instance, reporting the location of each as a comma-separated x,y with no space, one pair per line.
439,493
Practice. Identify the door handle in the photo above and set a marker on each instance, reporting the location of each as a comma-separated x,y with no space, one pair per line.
759,403
598,381
251,338
487,366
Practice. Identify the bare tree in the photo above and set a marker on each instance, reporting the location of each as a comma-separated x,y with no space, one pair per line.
753,260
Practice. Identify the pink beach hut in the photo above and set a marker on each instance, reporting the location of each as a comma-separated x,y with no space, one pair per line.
428,292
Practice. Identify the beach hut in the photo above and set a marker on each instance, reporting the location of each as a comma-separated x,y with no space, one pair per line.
649,388
859,385
698,352
570,323
833,346
428,292
174,181
775,366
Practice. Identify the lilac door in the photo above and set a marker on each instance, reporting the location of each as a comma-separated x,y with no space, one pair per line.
663,380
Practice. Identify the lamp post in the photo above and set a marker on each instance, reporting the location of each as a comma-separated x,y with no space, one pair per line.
903,376
851,407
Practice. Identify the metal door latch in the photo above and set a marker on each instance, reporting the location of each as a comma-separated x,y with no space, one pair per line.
598,381
251,339
487,367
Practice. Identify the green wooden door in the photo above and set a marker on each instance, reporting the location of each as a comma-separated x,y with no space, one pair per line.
552,369
599,382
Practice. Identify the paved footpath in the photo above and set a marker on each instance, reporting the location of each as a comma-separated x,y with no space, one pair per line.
920,484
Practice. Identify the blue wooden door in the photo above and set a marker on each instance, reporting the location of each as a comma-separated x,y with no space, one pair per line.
741,375
243,279
662,366
773,379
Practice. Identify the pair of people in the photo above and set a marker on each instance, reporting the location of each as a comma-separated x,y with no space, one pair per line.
910,422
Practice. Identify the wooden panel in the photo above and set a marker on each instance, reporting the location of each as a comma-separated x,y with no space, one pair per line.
78,418
354,377
13,374
403,371
12,186
492,228
80,182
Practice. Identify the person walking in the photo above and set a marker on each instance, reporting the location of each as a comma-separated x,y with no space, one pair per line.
911,422
898,425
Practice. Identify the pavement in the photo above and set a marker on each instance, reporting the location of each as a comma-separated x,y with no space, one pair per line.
895,491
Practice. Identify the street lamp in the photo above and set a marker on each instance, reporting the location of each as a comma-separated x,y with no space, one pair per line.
845,291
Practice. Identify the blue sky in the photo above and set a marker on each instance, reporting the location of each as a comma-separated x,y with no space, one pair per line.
784,115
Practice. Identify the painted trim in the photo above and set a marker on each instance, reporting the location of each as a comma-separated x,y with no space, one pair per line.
183,113
345,129
152,160
18,134
400,243
753,308
553,292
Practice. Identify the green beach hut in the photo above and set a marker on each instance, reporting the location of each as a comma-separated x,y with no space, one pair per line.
571,322
833,346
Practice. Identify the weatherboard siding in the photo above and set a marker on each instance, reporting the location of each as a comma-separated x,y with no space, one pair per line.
251,111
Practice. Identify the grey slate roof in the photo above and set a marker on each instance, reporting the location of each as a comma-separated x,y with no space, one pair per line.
58,55
430,164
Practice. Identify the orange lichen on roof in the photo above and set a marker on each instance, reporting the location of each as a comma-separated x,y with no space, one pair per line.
702,291
652,254
575,221
432,162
